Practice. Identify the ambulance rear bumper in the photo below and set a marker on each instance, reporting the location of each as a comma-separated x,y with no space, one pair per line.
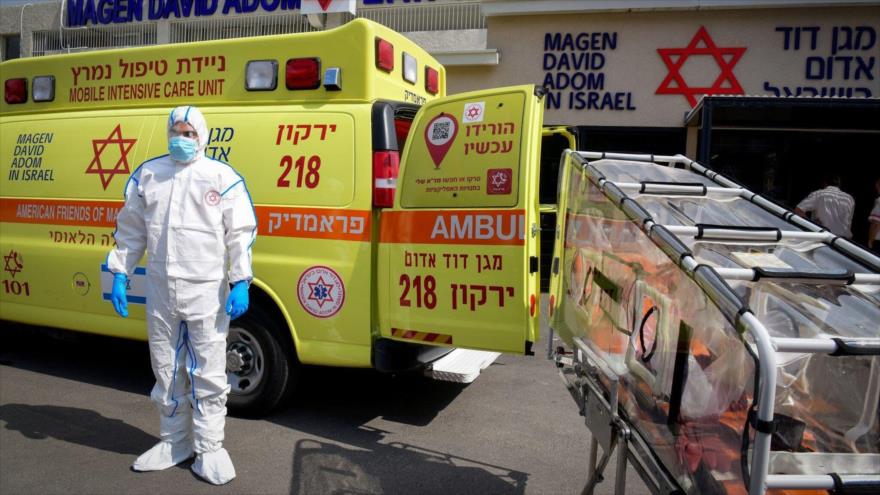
439,363
392,356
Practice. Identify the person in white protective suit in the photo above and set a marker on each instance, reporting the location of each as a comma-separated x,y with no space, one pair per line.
194,217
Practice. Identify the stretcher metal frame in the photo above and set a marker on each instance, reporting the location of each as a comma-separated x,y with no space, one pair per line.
580,368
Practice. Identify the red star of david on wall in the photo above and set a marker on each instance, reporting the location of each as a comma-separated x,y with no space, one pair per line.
121,166
320,292
701,44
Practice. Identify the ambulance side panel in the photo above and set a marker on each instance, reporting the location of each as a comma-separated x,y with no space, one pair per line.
306,155
312,201
308,172
62,178
458,254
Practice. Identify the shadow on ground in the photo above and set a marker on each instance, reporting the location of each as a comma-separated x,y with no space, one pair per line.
75,425
320,467
104,361
331,403
337,404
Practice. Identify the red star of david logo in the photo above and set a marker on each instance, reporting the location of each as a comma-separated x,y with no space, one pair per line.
473,112
499,179
12,263
121,166
320,292
701,44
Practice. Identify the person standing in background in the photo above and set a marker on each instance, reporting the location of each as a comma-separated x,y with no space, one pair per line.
830,207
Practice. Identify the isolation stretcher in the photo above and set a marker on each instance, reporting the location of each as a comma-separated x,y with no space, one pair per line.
718,342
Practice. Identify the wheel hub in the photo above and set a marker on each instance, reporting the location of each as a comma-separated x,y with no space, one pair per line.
245,363
239,358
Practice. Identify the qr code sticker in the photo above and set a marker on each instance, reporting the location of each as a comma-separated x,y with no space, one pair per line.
440,131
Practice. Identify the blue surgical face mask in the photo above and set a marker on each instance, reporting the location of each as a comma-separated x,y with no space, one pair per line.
183,149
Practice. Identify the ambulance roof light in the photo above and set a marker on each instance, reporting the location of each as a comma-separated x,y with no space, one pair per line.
15,91
303,73
432,80
333,79
384,55
44,88
261,75
410,68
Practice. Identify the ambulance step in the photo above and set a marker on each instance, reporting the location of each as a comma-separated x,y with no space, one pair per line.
460,365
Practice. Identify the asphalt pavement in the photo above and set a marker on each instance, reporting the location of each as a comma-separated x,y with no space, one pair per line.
75,412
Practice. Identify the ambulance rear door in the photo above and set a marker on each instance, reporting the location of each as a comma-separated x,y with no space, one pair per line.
458,255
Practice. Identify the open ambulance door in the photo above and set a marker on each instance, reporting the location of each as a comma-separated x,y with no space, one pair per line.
458,254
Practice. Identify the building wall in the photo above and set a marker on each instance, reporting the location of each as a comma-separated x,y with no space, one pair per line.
24,19
446,25
828,51
645,68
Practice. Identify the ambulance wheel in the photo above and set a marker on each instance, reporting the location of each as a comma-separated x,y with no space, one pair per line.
258,369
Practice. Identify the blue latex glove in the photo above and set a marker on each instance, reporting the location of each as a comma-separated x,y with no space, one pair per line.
237,302
117,297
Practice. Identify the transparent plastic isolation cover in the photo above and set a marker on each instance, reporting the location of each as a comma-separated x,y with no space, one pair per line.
688,376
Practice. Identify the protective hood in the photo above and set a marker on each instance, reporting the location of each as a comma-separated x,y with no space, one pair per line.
192,116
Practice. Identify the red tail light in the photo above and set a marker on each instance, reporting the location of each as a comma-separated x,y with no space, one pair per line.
384,55
432,81
533,303
303,73
401,128
386,165
15,91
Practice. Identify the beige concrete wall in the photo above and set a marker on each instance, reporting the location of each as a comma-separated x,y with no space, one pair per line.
33,17
635,68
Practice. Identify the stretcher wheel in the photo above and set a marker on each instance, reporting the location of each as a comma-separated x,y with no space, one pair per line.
259,370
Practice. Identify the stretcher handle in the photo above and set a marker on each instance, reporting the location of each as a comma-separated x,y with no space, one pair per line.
677,188
855,485
837,277
735,232
836,484
853,347
646,354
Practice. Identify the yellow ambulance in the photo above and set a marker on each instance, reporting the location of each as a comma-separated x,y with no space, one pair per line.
395,223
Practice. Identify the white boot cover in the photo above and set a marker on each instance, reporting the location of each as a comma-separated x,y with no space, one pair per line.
163,455
214,467
176,445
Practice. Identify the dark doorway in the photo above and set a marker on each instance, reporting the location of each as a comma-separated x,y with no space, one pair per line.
645,140
781,147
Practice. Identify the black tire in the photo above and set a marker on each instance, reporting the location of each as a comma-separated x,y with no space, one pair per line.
261,365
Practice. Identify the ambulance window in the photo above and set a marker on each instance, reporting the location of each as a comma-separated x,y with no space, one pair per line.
465,154
401,128
391,122
403,117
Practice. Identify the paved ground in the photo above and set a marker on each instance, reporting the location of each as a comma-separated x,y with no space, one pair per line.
75,412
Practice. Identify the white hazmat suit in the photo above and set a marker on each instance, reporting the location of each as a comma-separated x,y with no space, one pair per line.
196,221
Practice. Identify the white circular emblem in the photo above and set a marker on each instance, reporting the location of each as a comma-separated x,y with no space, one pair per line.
320,291
212,197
